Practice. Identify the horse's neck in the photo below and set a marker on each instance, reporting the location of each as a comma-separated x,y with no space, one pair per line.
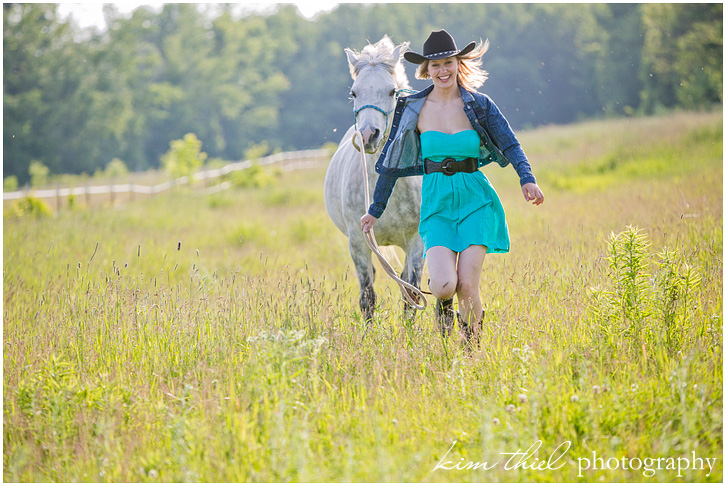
371,160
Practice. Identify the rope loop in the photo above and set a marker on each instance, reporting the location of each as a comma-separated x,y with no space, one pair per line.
411,294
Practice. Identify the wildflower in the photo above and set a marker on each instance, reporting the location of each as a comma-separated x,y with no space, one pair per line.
495,421
574,398
509,408
596,389
605,388
522,398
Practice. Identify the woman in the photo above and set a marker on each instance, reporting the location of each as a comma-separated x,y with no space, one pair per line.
447,132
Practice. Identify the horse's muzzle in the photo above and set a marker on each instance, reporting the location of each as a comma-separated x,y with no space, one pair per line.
371,138
370,143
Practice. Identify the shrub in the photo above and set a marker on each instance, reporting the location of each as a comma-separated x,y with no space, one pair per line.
10,183
28,206
184,157
38,173
647,309
255,176
257,151
116,168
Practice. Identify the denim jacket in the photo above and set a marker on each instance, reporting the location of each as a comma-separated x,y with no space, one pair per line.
401,155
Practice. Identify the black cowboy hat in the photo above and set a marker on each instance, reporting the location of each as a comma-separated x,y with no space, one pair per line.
439,45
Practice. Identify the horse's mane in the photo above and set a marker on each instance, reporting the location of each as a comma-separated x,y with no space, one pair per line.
380,54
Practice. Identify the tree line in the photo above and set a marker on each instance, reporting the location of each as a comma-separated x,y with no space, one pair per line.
75,99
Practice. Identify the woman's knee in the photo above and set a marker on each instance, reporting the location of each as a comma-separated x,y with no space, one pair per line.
442,272
467,286
444,286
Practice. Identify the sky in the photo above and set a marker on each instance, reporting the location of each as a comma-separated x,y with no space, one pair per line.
91,13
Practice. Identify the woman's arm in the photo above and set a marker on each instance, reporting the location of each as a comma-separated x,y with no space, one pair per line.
383,190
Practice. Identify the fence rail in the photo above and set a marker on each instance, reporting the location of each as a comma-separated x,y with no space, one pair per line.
289,161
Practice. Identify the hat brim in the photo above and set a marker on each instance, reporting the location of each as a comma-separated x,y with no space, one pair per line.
414,58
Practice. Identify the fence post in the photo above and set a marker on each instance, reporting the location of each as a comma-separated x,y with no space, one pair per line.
57,197
111,191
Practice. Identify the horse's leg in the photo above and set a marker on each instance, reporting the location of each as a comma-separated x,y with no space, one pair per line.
366,273
412,270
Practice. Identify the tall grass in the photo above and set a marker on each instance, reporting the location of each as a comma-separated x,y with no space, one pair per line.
217,338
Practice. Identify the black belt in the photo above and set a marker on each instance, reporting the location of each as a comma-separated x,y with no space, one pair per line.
450,166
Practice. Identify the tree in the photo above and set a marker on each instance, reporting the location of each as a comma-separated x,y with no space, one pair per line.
184,157
38,173
75,99
682,55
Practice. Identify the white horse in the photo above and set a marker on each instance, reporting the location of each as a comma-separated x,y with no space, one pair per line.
377,75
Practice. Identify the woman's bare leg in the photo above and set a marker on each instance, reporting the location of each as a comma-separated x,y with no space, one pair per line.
468,272
441,263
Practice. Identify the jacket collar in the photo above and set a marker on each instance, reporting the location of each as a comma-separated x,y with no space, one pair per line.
466,95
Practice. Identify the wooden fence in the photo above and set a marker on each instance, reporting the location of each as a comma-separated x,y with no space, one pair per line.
286,160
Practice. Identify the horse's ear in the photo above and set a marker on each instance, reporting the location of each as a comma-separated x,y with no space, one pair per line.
399,50
352,61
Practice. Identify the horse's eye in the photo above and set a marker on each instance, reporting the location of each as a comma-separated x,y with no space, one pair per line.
392,93
352,94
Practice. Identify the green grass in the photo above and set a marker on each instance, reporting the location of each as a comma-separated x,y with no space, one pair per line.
217,338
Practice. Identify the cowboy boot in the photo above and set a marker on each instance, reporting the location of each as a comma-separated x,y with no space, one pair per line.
470,332
445,315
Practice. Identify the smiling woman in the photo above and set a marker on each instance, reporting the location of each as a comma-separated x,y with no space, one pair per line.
447,132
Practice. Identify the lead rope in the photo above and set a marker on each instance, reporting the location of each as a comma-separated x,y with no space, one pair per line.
411,294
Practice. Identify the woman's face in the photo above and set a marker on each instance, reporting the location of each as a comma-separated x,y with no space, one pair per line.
443,72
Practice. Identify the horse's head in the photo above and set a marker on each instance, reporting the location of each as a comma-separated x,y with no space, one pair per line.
377,75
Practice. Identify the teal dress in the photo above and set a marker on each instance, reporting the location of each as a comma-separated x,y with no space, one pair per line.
462,209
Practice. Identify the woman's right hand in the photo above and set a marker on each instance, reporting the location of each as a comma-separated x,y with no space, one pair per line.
367,222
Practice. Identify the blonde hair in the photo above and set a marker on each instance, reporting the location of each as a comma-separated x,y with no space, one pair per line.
471,76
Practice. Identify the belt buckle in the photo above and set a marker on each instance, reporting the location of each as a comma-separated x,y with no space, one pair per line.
446,167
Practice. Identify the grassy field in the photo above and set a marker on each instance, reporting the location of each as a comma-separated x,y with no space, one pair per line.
192,337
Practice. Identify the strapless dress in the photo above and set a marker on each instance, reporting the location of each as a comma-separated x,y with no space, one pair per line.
462,209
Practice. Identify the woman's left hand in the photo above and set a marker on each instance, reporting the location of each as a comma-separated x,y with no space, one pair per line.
533,193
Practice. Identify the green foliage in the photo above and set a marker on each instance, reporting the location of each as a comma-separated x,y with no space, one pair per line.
257,151
676,284
10,183
255,176
184,157
628,259
250,234
76,98
38,173
640,308
72,201
653,158
292,197
116,168
28,206
682,58
163,340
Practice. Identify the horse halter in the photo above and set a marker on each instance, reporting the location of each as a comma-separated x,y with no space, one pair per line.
385,113
355,121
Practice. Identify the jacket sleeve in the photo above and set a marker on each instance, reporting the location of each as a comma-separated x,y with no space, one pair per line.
503,135
383,190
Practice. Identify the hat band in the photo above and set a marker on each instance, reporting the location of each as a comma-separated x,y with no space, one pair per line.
441,53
